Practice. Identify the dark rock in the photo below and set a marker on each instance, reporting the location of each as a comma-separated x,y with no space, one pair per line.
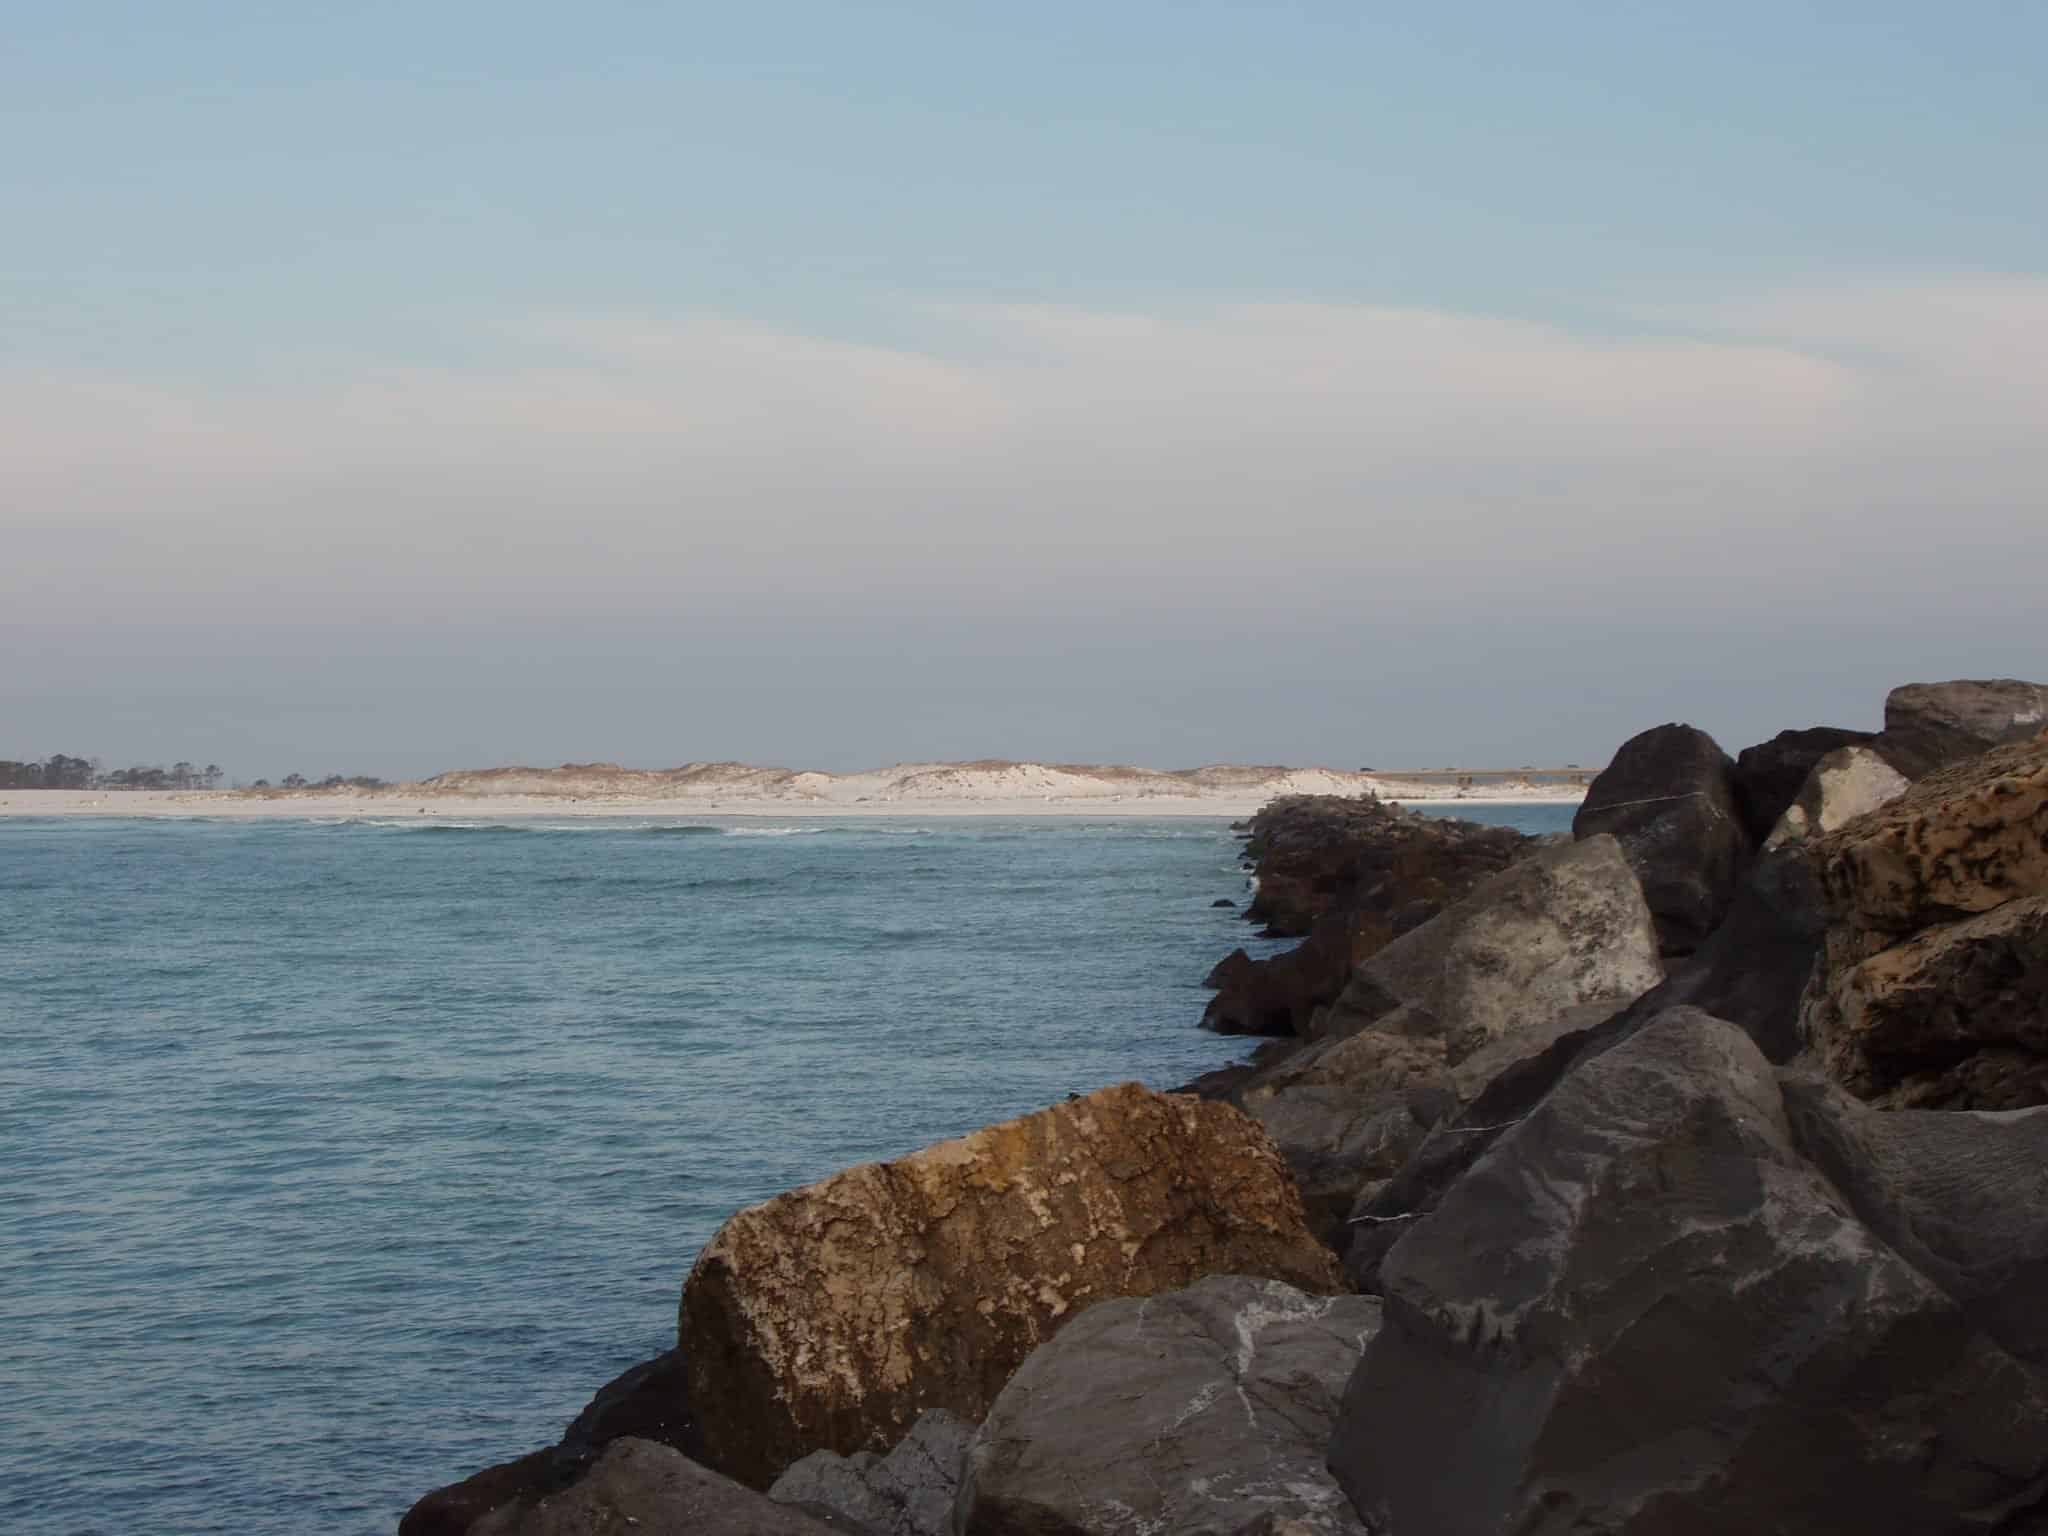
1644,1312
1669,796
456,1509
655,1489
650,1401
1432,1017
1197,1412
1931,725
1962,1197
1768,776
908,1492
1350,875
1223,901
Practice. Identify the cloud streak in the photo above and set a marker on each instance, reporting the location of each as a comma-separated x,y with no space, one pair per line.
1832,445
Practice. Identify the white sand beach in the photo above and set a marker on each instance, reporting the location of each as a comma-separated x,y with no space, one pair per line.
736,789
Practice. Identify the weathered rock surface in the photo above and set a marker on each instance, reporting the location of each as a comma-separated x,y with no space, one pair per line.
1954,1017
1961,841
908,1492
832,1316
1669,796
1962,1197
1769,775
1559,940
1351,875
650,1401
1847,783
1643,1311
1930,725
639,1486
1199,1412
1934,987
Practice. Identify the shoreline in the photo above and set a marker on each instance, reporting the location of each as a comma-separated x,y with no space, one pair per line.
234,805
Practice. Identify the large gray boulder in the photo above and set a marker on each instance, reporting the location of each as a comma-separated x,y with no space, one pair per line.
1931,725
1644,1311
1551,944
639,1486
908,1492
1669,796
1197,1412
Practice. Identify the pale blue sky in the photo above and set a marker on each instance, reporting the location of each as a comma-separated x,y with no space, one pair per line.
1274,348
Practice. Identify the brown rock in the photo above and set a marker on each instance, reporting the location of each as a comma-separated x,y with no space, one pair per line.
832,1316
1961,841
1954,1017
1929,725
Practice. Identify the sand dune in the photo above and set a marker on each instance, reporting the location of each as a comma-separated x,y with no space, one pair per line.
987,787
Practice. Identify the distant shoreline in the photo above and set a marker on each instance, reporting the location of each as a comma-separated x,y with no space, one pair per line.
329,806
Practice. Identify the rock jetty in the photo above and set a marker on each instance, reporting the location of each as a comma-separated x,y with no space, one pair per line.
1689,1175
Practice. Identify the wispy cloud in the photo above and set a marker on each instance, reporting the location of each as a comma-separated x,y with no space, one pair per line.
1783,442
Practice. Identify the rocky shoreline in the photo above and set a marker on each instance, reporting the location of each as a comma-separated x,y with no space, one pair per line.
1687,1174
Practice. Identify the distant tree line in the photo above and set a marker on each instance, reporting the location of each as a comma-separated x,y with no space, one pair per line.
61,772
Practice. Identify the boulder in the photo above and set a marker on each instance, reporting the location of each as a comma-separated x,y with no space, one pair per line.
1769,775
1963,1197
1930,725
1350,874
1961,841
1847,783
1954,1017
1643,1311
1200,1412
1669,796
1557,941
638,1485
1933,990
908,1492
831,1317
650,1401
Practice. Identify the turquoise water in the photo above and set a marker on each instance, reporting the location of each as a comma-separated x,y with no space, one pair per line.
339,1159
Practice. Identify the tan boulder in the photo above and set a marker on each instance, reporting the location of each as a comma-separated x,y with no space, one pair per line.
1961,841
832,1316
1849,782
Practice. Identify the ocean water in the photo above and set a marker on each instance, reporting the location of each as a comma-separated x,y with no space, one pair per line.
341,1159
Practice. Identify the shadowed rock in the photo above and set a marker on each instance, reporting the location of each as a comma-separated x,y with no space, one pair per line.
1669,796
1198,1412
908,1492
832,1316
1931,725
639,1486
1644,1312
1769,775
1559,940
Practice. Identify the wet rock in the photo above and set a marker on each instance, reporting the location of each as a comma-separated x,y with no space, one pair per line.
832,1316
1769,775
458,1508
1928,726
1669,796
1843,785
1223,901
1644,1312
640,1486
1200,1412
1559,940
908,1492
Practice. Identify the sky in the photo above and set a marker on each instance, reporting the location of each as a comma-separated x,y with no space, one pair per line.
393,388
